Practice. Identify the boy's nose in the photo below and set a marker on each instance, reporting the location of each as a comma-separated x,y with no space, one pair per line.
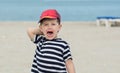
49,26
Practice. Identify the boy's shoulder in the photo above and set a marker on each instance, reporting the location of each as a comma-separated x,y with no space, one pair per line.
57,40
63,42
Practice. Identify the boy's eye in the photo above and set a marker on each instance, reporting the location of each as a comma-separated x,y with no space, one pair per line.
45,24
53,24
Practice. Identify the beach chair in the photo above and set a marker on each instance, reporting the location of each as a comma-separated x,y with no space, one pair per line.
107,20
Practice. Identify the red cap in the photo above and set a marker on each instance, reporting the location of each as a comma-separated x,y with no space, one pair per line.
50,13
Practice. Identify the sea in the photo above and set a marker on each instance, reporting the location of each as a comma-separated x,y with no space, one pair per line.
70,10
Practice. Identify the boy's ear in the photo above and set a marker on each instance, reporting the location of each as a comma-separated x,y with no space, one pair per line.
60,26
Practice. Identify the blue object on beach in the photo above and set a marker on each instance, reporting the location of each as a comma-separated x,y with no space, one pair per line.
108,17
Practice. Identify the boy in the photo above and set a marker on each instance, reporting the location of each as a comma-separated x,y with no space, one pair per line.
52,54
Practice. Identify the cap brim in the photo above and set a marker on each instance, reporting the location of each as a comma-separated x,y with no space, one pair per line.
46,17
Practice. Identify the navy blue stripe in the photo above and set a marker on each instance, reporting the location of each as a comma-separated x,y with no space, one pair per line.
38,49
34,66
57,44
36,39
49,57
61,41
34,61
51,67
54,48
52,53
66,52
34,71
67,56
45,71
39,38
50,62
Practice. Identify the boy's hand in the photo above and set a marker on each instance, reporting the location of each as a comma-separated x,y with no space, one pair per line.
33,31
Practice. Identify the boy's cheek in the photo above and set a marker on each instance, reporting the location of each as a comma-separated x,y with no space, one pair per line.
41,31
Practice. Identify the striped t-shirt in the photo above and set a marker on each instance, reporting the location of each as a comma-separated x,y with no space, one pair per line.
50,55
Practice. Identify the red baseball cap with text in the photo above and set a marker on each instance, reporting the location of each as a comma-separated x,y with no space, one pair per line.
50,13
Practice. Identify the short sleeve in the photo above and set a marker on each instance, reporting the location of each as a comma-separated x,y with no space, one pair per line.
37,38
67,53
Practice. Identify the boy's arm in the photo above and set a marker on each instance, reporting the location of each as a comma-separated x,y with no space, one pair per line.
33,31
70,66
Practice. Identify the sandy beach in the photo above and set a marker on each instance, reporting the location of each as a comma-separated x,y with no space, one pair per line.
94,49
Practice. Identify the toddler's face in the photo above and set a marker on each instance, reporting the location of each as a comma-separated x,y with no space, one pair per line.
50,28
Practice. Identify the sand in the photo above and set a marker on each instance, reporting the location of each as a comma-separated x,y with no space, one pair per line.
94,49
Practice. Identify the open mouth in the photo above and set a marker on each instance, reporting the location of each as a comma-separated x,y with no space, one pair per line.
49,32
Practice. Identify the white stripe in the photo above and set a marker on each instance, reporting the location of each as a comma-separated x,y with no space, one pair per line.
52,55
34,58
66,54
45,59
39,37
56,46
38,52
51,70
68,58
38,44
52,50
66,49
50,65
34,39
49,55
34,68
54,42
34,64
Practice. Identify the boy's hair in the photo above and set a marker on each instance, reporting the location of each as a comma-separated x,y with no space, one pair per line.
49,19
50,14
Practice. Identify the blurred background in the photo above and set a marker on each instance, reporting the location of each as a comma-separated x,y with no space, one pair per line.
70,10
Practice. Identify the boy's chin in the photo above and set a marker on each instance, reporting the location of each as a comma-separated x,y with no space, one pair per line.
50,38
